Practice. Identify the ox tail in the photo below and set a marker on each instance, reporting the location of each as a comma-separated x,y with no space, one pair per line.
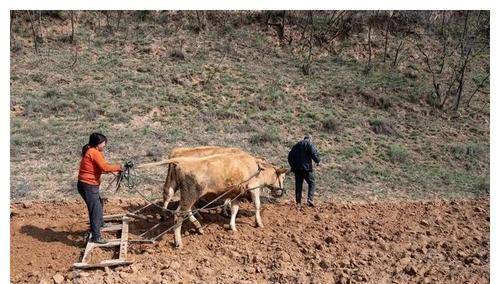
155,164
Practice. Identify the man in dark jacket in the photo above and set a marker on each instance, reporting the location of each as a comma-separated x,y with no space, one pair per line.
299,159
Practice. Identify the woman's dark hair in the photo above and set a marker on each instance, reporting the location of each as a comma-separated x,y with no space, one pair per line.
94,140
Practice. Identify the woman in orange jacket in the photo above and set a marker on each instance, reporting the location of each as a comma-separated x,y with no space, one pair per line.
92,166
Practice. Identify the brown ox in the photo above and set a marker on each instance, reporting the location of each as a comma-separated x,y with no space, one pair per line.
201,151
170,186
230,174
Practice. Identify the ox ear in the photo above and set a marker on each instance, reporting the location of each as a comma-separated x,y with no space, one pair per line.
260,165
281,171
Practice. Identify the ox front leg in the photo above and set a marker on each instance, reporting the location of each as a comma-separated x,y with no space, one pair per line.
178,218
256,202
227,204
234,211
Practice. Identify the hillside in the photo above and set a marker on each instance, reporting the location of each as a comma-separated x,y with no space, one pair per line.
152,81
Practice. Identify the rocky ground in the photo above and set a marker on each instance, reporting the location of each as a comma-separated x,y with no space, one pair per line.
337,242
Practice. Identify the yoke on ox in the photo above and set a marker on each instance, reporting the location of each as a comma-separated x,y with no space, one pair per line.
212,176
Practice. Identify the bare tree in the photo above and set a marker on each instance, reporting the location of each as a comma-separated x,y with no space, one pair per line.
369,65
478,88
396,56
35,40
465,52
40,34
201,18
72,27
120,13
278,26
452,64
444,41
387,24
12,36
306,67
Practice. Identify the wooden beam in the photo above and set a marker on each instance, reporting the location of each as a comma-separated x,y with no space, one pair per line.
86,254
106,263
124,240
113,217
114,227
110,243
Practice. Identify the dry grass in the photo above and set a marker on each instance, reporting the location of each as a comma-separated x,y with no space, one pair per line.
134,86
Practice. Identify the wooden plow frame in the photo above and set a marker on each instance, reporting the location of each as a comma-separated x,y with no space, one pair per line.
122,242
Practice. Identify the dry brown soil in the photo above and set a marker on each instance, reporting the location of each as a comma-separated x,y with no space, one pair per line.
426,241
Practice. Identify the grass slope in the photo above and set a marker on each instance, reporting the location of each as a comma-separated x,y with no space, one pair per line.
237,87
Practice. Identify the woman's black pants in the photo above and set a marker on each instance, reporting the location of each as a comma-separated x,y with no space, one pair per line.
90,193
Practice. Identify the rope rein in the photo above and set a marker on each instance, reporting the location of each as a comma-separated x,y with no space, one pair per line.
128,176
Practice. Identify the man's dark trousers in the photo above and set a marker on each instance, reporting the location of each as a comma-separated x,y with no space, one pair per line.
90,193
300,175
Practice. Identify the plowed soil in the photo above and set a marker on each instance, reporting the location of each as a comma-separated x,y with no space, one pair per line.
428,242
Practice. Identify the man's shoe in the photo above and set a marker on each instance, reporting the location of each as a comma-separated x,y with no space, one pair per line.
100,241
310,203
298,205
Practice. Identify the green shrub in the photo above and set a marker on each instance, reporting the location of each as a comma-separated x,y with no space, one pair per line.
353,151
330,124
52,93
380,126
384,103
269,136
483,185
397,154
470,150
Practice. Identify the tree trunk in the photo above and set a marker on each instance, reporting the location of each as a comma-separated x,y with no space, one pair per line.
306,67
464,35
40,25
33,32
464,47
386,36
118,21
369,48
72,27
283,24
12,37
461,82
397,53
200,16
445,43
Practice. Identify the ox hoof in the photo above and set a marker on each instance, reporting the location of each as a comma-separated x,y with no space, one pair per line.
200,231
259,225
234,230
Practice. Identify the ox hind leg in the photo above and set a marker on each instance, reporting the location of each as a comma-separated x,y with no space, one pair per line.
168,188
256,201
234,211
183,212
